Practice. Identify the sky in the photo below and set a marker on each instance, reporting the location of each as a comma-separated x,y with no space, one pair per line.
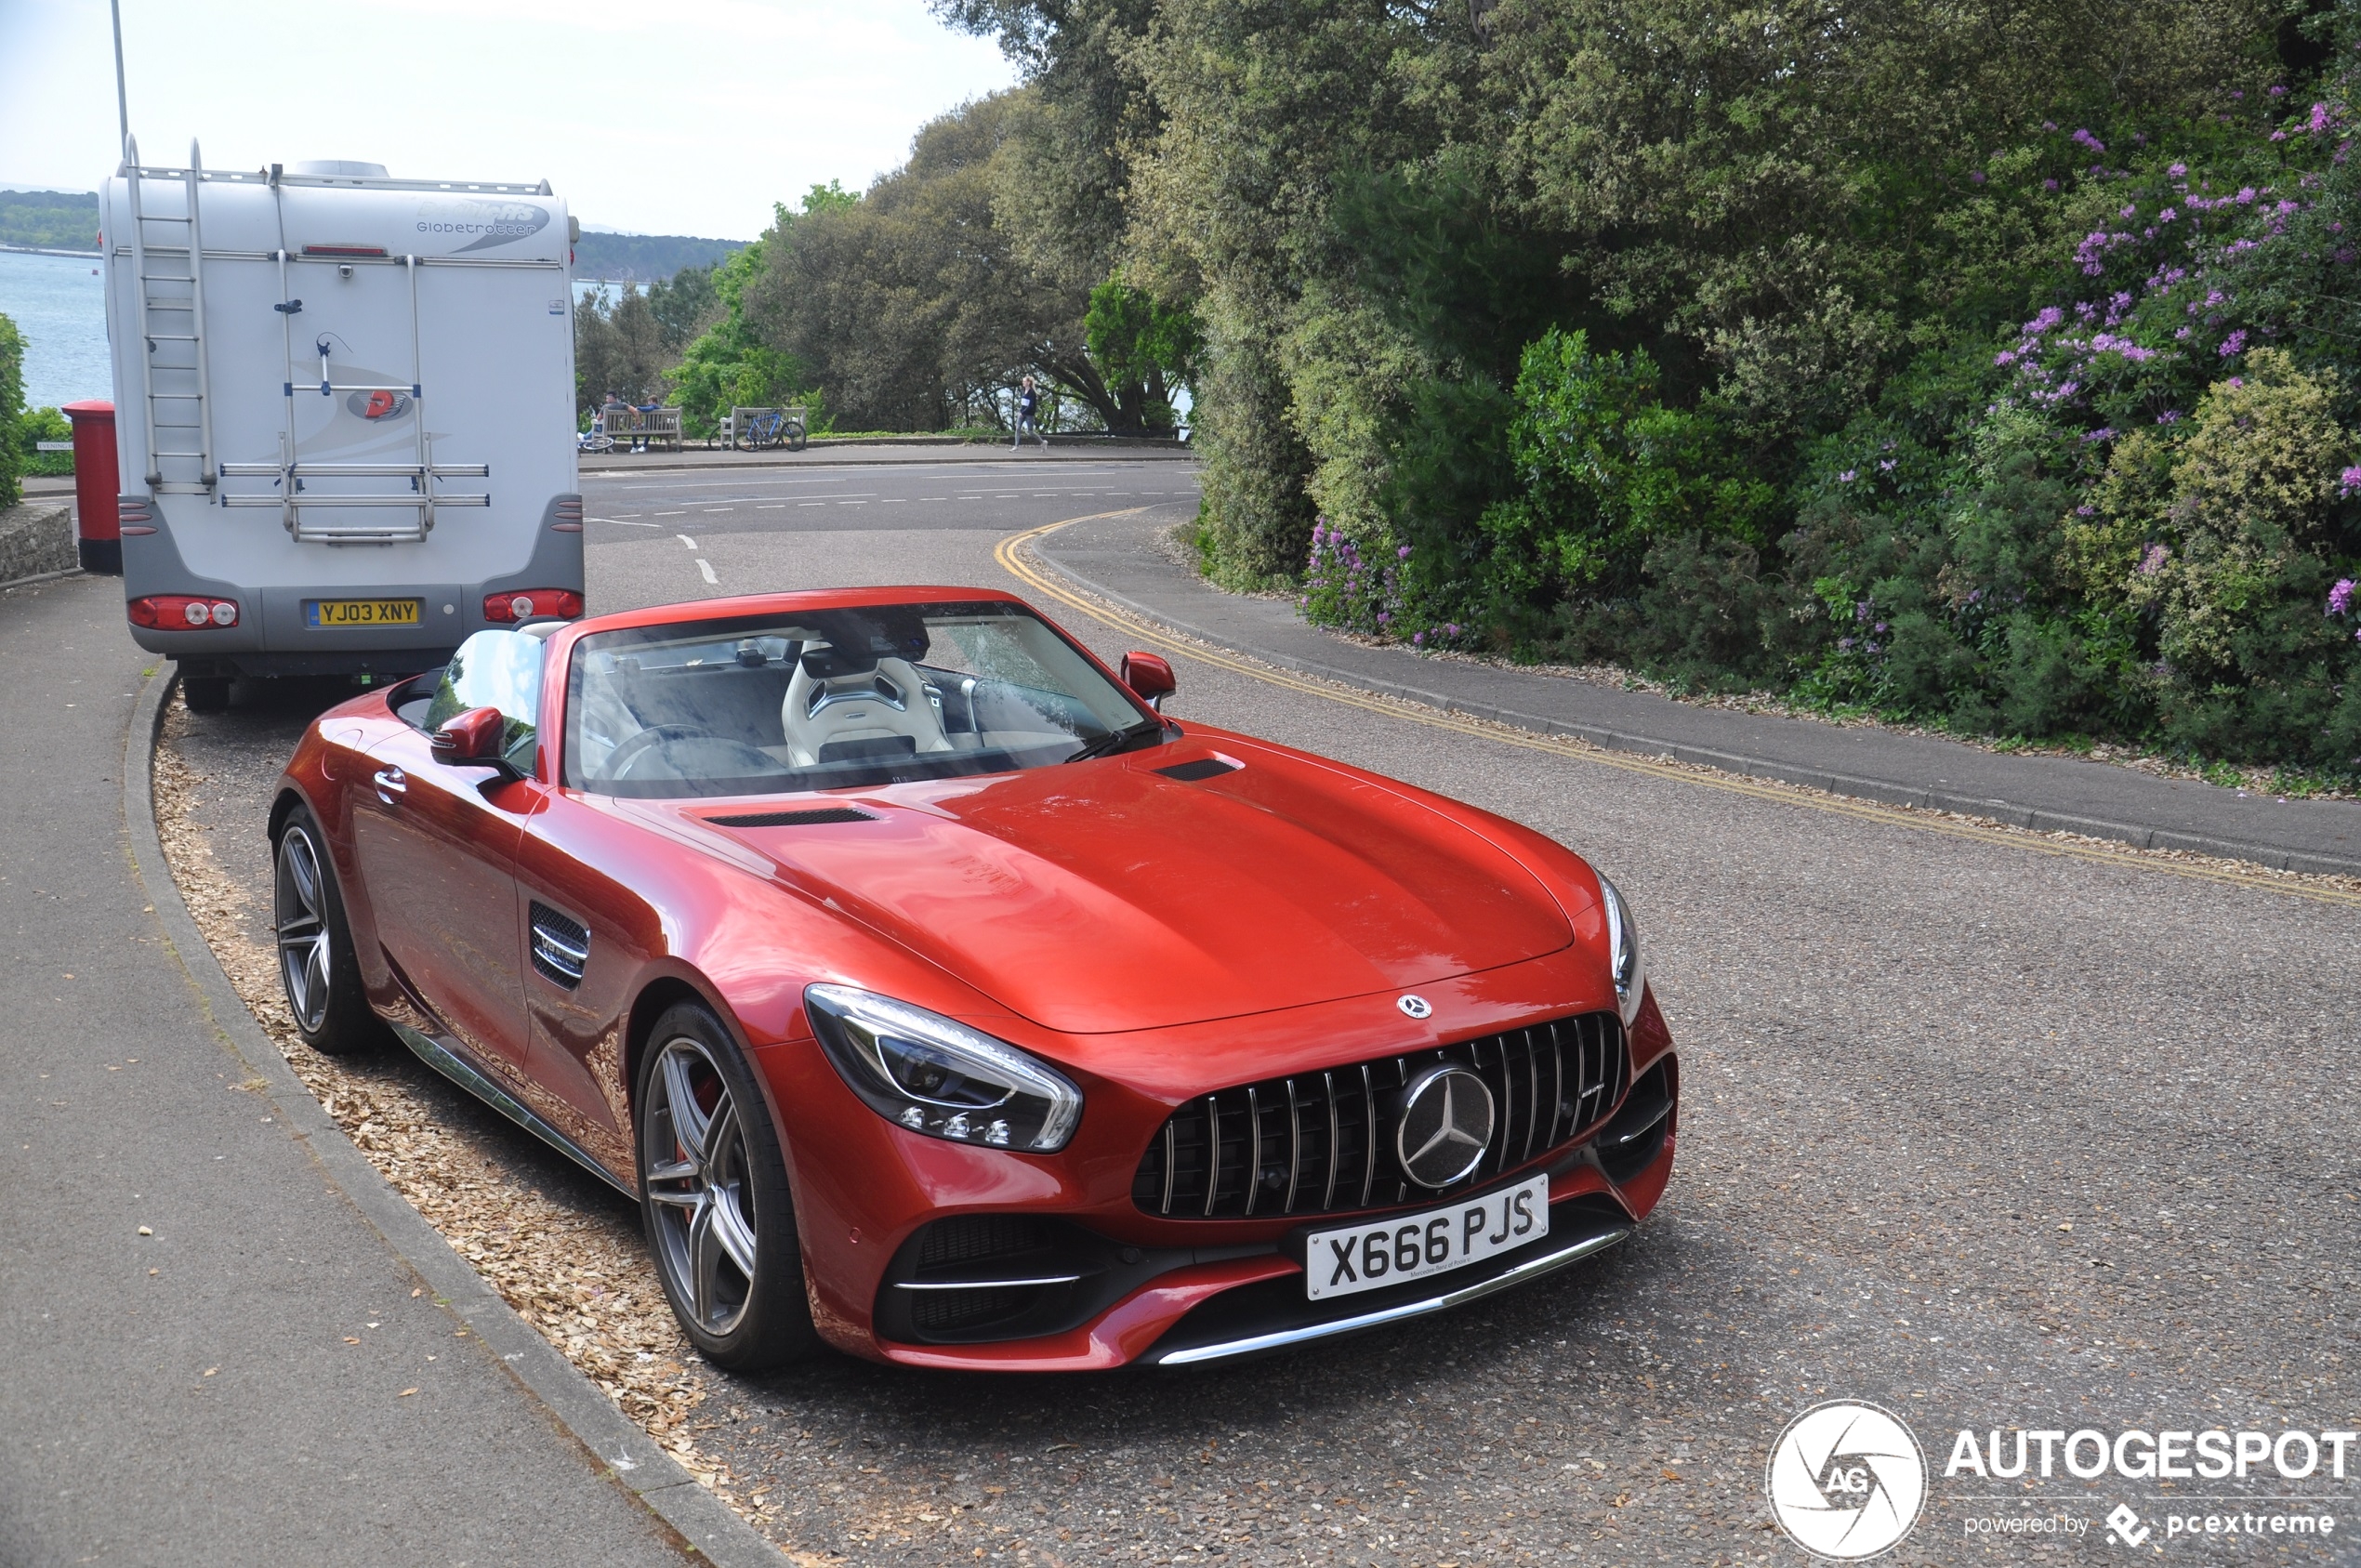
650,117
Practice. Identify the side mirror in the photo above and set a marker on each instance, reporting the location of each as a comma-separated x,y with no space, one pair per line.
1150,677
472,739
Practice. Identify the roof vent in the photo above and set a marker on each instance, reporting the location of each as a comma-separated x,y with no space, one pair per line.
338,168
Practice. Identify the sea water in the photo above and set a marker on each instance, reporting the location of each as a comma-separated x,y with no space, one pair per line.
58,304
59,307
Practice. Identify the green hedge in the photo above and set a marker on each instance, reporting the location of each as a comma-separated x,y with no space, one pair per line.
12,411
37,426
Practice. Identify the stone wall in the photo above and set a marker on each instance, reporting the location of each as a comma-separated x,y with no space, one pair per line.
37,537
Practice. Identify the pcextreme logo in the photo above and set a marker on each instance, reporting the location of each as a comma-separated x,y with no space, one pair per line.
1846,1480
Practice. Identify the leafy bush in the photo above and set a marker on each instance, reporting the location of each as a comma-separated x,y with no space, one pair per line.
12,411
39,425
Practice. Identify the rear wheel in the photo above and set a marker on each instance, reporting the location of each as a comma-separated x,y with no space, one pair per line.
205,693
316,965
714,1195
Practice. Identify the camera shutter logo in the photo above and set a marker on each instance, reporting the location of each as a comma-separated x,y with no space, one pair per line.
1846,1480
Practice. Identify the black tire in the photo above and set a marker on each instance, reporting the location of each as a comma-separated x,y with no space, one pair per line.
795,437
714,1189
317,970
205,693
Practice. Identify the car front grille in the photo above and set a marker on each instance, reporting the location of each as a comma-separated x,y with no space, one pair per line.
1323,1142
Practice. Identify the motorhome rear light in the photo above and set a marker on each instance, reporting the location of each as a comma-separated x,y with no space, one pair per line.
344,250
533,604
175,612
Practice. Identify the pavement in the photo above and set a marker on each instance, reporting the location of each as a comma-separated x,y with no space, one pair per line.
228,1340
1118,557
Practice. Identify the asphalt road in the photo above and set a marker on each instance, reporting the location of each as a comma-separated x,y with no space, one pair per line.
1992,1137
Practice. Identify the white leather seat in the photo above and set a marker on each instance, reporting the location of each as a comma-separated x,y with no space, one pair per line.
878,705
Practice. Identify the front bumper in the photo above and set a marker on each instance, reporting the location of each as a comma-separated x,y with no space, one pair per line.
1134,1287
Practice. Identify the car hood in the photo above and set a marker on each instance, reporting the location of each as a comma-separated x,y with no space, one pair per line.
1104,896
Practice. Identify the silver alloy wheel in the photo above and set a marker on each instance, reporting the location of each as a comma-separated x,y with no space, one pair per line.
299,916
698,1182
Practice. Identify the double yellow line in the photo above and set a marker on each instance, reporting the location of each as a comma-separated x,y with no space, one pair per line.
1013,558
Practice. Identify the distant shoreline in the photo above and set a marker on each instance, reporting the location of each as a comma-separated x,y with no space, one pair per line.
38,250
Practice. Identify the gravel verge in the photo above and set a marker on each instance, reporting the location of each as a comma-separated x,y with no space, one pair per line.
564,1253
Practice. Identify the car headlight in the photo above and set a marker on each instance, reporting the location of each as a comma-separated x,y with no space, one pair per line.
930,1074
1623,952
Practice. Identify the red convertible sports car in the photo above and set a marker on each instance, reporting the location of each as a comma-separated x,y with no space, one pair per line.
940,1000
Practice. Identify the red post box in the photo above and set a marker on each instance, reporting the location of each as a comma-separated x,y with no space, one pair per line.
98,529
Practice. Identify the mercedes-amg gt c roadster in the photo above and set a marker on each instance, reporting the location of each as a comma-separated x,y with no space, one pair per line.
940,1000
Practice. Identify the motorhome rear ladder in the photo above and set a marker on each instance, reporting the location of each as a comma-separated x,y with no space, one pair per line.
172,373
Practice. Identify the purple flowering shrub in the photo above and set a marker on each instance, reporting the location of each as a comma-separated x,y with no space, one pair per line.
1343,587
2187,262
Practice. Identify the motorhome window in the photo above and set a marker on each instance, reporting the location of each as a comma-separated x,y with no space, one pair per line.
833,699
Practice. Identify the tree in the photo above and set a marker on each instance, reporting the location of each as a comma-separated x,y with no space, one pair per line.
618,348
915,307
684,305
1144,349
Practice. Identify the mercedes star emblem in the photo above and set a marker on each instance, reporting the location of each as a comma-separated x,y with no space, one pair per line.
1446,1125
1414,1006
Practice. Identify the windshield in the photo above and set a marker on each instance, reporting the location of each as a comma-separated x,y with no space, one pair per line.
881,694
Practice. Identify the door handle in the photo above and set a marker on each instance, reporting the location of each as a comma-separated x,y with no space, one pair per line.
392,784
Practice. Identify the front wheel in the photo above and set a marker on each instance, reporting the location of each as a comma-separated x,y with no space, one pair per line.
714,1195
316,965
795,436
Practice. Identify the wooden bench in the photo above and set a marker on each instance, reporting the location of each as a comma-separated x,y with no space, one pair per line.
645,428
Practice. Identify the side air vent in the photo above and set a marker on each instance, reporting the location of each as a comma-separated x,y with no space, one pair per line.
561,946
1202,767
814,818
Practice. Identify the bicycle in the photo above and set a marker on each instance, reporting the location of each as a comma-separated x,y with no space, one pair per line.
766,430
594,440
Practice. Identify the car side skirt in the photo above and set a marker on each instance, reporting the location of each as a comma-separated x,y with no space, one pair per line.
460,1071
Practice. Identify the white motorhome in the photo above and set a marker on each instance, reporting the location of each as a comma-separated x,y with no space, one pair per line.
343,416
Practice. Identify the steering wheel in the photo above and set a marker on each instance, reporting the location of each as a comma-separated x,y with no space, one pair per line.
654,735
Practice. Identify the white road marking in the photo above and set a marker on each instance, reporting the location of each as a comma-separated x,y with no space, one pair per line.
706,567
686,540
771,506
682,513
811,502
622,522
721,508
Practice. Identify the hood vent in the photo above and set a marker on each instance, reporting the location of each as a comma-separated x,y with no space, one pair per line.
814,818
1204,768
